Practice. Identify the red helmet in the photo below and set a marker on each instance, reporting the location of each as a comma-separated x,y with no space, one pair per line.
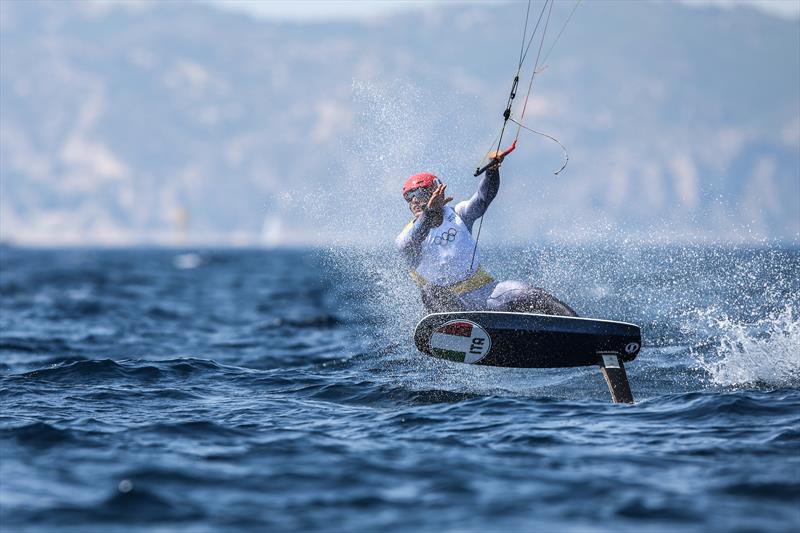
423,179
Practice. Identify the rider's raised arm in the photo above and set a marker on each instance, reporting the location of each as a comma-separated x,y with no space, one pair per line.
409,242
474,208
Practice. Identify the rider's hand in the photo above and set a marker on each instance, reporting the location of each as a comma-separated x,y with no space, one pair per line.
438,199
495,158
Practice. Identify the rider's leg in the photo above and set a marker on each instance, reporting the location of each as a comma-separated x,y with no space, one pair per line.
523,297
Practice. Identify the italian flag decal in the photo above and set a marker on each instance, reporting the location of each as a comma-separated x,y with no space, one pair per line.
461,341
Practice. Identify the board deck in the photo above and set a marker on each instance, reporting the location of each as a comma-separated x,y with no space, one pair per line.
526,340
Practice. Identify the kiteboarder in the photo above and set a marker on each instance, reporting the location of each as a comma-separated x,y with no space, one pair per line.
443,257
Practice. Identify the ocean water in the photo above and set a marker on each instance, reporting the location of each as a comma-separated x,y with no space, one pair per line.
202,390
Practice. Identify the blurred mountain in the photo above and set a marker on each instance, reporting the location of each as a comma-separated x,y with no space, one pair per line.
132,122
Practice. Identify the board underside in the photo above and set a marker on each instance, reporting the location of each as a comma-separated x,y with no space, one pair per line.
525,340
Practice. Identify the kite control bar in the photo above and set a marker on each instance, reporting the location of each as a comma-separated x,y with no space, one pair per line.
479,171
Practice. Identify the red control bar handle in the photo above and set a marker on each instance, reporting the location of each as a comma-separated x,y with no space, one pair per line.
510,149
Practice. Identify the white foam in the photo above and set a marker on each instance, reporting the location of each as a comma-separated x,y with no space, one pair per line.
765,352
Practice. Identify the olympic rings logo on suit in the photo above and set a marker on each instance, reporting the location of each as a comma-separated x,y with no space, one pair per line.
445,237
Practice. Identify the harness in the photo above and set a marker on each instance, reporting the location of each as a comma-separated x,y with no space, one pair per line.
477,280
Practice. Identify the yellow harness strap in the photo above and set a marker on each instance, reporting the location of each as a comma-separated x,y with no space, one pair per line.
475,281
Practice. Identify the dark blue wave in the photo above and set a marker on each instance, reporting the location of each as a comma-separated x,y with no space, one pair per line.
110,371
38,435
138,506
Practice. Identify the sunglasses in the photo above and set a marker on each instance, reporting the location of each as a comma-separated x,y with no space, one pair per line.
422,194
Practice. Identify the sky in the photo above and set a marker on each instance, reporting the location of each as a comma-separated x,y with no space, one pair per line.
320,10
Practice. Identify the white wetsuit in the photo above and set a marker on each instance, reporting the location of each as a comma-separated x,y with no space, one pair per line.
440,260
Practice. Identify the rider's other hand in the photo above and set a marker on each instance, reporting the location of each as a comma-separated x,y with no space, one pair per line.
438,199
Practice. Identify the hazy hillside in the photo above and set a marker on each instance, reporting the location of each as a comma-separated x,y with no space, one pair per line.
156,122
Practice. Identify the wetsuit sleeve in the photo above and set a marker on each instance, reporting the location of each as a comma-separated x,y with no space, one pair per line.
474,208
409,242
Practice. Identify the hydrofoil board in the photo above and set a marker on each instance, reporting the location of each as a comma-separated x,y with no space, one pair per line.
527,340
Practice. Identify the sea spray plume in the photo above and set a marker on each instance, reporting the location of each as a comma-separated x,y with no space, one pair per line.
764,353
396,134
388,300
394,137
391,137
